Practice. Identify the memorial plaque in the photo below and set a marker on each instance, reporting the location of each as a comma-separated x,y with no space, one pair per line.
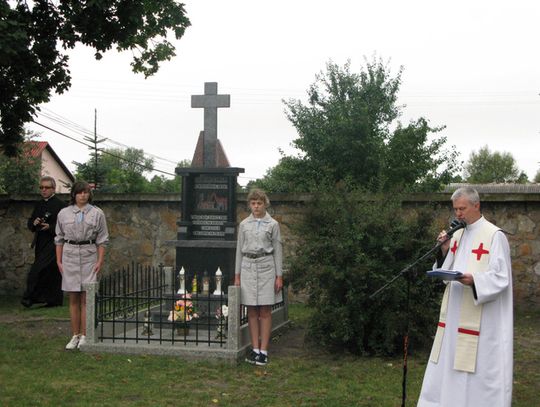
208,203
209,214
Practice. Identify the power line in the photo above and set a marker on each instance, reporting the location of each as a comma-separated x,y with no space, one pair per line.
150,168
64,122
155,92
62,134
117,143
72,126
117,156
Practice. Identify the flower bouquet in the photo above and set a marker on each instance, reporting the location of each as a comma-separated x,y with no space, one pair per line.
221,315
184,311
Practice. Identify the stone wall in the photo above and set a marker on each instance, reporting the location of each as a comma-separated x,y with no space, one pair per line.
140,226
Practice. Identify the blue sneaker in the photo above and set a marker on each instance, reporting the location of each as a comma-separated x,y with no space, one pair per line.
261,359
252,357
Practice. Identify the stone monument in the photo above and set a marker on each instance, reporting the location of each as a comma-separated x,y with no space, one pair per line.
206,238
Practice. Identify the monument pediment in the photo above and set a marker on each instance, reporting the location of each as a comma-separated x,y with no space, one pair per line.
198,157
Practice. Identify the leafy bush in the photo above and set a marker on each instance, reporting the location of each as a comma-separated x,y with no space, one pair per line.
349,245
20,174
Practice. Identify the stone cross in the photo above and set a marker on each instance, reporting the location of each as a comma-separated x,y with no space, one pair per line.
210,102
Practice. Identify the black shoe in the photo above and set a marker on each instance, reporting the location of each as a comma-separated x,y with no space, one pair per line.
27,303
252,357
261,359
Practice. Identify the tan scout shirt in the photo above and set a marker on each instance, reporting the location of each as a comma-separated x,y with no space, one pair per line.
78,261
257,236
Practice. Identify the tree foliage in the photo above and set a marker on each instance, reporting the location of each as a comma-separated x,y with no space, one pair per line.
537,177
20,174
348,130
160,183
34,36
292,174
123,171
486,167
349,245
357,157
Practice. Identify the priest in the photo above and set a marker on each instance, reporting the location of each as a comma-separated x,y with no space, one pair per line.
43,283
472,356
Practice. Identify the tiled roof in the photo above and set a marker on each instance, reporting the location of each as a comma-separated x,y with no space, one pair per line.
35,148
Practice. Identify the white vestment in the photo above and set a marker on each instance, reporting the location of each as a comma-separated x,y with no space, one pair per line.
491,384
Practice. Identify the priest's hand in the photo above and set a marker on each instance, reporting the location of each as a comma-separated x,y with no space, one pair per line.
466,279
237,280
445,240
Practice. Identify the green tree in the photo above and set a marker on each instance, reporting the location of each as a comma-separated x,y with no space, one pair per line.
160,183
486,167
20,174
292,174
350,244
357,157
117,170
349,131
537,177
125,171
34,35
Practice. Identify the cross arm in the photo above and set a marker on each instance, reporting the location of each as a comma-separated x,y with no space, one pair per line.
210,101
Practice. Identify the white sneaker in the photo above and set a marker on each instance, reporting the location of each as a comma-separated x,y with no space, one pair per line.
82,341
72,344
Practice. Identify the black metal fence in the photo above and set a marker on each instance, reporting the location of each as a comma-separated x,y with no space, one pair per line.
141,304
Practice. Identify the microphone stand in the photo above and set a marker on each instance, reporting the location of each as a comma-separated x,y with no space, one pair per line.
406,334
410,266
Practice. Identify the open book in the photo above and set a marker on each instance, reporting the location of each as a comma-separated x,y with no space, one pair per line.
444,274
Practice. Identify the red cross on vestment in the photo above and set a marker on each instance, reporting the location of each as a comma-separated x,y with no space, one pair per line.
454,248
480,251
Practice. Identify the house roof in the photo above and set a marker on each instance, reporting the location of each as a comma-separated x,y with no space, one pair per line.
37,148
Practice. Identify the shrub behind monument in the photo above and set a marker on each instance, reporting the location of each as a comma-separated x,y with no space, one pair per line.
350,244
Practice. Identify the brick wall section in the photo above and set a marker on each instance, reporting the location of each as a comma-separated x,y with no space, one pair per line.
140,225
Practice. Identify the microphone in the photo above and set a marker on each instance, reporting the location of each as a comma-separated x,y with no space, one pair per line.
455,226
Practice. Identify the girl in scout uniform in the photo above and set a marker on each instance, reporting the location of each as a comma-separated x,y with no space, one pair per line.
258,272
81,237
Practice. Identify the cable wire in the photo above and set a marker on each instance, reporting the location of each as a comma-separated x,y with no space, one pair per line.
149,168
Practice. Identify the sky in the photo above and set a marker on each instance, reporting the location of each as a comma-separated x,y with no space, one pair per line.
472,66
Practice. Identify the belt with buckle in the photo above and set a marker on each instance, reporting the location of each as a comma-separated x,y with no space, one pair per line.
256,256
80,242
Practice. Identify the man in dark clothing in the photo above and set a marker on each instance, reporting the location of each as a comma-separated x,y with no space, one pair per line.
44,280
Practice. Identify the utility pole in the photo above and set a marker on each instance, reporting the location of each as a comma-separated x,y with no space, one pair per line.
95,149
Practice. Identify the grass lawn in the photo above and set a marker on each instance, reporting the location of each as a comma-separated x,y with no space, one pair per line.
35,370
